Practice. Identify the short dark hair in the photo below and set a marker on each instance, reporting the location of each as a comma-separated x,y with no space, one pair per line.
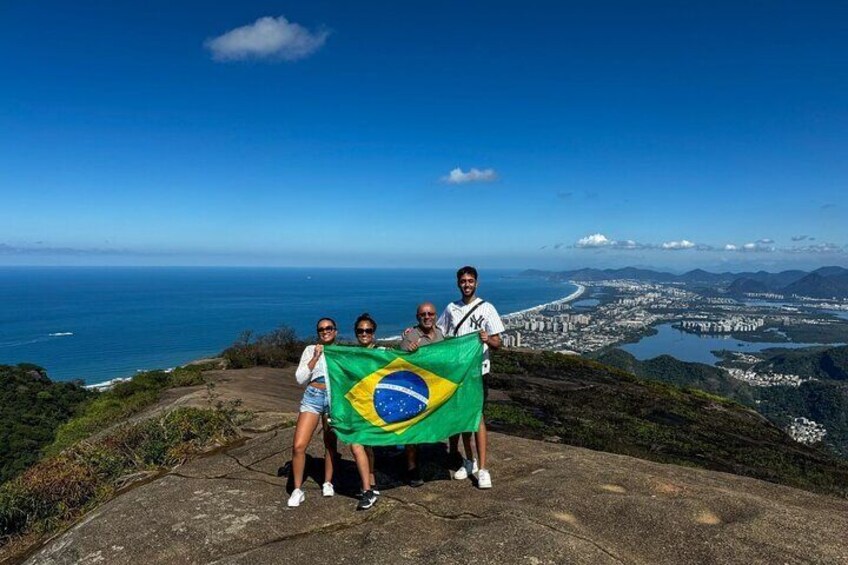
318,323
365,317
466,270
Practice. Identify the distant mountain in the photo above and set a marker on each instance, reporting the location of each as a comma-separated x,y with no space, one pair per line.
830,271
631,273
745,285
818,285
700,276
826,282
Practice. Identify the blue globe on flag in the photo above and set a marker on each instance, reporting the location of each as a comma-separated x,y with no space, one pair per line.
400,396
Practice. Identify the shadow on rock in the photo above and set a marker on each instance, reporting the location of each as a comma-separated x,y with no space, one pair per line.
390,469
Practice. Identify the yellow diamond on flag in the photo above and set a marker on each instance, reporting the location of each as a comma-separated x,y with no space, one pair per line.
399,394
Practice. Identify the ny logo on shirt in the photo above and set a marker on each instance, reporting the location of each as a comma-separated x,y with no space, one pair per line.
476,321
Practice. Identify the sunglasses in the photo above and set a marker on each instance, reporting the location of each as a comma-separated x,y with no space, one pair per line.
426,314
364,330
323,329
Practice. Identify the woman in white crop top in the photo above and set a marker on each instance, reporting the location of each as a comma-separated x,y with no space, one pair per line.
314,409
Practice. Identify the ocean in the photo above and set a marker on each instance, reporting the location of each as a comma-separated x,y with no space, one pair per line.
99,323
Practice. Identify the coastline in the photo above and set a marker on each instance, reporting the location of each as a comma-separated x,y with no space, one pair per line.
571,297
106,385
578,292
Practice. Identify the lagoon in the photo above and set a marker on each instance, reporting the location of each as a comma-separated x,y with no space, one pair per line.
696,348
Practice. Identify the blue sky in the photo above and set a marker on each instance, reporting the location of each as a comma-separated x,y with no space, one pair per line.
505,134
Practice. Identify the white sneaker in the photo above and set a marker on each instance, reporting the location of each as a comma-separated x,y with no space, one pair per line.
468,468
296,499
484,479
328,489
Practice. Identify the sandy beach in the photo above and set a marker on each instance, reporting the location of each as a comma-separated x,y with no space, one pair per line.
573,296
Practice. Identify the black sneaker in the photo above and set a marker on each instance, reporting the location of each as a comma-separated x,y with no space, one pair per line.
366,500
414,478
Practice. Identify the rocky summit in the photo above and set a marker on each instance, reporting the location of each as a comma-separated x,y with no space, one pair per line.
551,503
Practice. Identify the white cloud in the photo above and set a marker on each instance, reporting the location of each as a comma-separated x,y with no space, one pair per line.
763,245
594,240
457,176
267,38
599,240
759,246
675,245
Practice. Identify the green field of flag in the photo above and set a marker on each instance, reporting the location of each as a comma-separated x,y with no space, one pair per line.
391,397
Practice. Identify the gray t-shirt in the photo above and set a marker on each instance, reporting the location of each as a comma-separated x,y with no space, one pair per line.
415,335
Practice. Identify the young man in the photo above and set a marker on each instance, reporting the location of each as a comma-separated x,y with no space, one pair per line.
472,314
425,333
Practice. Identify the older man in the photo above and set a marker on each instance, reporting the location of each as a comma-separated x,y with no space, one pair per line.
425,333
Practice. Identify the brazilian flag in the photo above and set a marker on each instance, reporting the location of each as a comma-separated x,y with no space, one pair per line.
391,397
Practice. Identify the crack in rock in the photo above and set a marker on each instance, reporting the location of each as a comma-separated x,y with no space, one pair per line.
431,512
248,468
261,459
573,535
328,529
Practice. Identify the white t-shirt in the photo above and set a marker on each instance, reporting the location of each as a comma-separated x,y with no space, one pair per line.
303,374
485,318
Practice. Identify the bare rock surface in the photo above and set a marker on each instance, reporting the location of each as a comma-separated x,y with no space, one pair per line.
271,395
551,503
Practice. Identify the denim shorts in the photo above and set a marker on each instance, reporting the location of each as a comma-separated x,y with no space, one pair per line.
315,400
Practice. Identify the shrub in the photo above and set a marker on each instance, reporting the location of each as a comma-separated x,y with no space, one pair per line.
275,349
32,408
191,375
122,400
60,488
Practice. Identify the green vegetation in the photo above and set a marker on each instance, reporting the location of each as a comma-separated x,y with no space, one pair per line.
62,487
513,416
825,401
121,401
696,376
276,349
32,407
599,407
832,332
820,363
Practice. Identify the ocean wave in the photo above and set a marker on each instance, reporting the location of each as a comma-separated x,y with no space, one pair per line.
106,385
39,339
18,343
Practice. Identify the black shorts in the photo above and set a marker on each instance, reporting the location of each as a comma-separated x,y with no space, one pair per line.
485,389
